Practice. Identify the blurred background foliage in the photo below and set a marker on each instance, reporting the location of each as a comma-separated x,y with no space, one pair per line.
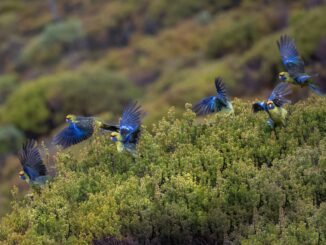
91,57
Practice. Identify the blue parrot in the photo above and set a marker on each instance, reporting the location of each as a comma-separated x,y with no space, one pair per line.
217,103
126,134
294,65
34,170
79,129
274,106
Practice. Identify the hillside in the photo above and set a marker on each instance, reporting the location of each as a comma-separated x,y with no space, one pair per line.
212,181
92,57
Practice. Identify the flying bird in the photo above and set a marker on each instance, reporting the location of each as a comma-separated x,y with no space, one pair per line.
294,65
126,135
274,106
34,170
79,129
217,103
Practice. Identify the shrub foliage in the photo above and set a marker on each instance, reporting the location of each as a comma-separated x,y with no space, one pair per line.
224,179
39,106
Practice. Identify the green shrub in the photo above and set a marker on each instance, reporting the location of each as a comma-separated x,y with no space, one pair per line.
49,45
40,105
238,31
10,139
8,84
226,179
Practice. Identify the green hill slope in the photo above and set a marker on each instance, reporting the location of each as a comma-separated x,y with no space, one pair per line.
223,179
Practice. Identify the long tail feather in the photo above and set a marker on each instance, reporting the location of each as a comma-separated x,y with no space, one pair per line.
316,89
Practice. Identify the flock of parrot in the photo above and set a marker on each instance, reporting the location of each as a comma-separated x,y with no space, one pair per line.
126,134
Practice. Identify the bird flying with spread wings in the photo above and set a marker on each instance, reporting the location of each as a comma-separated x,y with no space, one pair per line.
79,129
216,103
126,134
274,105
34,170
294,66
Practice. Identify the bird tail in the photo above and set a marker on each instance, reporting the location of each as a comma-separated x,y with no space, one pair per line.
316,89
109,127
314,75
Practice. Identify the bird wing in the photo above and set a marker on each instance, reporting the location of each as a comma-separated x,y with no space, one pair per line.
130,122
205,106
290,56
259,106
221,91
74,134
278,94
31,160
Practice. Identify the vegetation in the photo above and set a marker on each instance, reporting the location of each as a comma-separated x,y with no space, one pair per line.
195,180
50,99
226,179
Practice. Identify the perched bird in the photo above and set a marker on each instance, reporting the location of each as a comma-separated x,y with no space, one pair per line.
127,133
217,103
34,171
294,65
274,106
79,129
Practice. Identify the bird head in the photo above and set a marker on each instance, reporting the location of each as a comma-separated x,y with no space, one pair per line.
114,136
284,76
270,105
22,175
71,118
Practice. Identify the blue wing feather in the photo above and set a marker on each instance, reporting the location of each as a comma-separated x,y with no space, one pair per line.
32,173
72,135
221,91
288,50
205,106
290,56
213,104
259,106
130,122
31,160
279,93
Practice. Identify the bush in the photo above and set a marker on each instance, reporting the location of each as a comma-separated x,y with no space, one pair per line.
226,180
41,105
54,39
10,139
238,31
8,84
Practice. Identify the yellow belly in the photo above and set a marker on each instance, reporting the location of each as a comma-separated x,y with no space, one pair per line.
120,146
278,115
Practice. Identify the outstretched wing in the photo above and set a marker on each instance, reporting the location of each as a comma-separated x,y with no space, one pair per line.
279,93
130,122
221,91
31,160
74,134
290,56
212,104
259,106
205,106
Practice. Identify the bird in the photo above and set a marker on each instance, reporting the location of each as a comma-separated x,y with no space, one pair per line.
217,103
126,135
294,65
274,105
34,171
79,129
